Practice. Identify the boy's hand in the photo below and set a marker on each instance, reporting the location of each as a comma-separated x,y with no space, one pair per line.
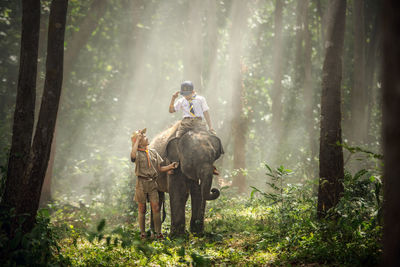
174,165
174,96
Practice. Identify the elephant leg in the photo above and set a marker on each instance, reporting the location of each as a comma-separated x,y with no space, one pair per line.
178,198
198,208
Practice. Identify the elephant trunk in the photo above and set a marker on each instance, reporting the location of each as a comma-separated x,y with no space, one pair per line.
206,191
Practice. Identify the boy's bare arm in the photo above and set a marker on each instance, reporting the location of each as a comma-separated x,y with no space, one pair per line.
171,104
135,146
171,166
208,120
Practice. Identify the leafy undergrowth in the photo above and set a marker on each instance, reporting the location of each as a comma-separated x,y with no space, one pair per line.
275,228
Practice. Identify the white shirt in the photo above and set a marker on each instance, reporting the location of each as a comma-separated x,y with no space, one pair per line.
199,106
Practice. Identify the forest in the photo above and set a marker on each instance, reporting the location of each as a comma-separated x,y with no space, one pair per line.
303,132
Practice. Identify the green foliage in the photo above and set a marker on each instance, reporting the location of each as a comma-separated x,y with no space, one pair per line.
37,248
350,234
275,227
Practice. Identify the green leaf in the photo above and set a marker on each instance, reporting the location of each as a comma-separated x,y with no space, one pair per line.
101,225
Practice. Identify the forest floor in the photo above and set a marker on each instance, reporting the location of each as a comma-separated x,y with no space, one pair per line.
239,231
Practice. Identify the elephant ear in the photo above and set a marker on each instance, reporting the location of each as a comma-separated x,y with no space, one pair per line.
217,144
172,150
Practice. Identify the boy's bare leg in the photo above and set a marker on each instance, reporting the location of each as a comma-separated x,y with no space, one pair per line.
156,217
141,219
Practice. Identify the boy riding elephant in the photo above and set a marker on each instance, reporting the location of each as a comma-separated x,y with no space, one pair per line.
194,108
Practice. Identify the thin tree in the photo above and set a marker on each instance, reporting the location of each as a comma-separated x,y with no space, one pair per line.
239,122
28,192
331,170
276,94
308,90
358,93
193,58
25,103
78,40
373,55
391,131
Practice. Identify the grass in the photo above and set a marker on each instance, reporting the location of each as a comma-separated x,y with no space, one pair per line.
239,231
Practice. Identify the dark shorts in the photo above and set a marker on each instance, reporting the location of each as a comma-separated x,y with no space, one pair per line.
188,124
146,189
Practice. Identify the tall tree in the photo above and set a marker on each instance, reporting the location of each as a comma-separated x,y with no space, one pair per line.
331,170
391,131
358,93
193,58
25,104
308,90
239,121
302,6
372,57
78,40
27,196
276,93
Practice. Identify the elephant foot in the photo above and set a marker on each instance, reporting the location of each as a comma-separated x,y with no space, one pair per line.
197,227
177,231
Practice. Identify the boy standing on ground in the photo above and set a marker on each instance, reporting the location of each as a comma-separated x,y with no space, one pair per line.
148,166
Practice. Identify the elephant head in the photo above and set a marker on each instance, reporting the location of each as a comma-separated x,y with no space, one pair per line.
196,152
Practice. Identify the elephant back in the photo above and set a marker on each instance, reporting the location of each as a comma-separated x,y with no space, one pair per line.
159,143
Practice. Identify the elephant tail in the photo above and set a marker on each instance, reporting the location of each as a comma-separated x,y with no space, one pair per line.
162,203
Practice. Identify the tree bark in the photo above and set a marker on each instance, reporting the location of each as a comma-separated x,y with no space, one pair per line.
308,90
358,94
322,18
25,104
80,38
372,57
211,47
239,121
331,171
40,152
77,42
302,5
193,58
391,131
239,130
276,93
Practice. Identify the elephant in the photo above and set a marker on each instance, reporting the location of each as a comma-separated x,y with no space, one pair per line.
196,151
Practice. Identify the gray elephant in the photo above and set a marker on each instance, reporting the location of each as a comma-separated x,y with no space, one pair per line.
196,153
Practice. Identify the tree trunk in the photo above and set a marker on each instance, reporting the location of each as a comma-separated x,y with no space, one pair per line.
239,122
80,38
25,104
308,91
45,196
331,170
302,5
77,42
391,131
239,130
40,152
193,58
358,94
322,18
211,47
276,93
370,71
